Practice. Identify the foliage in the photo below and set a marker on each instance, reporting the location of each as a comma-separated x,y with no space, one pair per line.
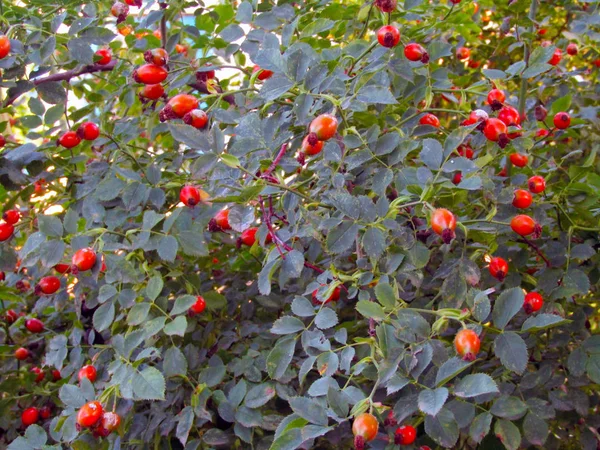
268,364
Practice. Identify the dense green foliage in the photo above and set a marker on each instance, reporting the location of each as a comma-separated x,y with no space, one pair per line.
268,364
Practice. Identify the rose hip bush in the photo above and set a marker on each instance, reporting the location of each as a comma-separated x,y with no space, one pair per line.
282,225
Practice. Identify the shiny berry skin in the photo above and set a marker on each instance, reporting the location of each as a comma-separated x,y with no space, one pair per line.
324,127
34,325
39,374
457,178
388,36
494,129
11,316
11,216
109,422
181,104
443,223
334,297
30,416
405,435
311,150
196,118
248,236
84,259
533,302
496,96
562,120
522,199
4,46
150,74
222,219
88,372
572,49
556,57
21,354
365,426
264,73
416,52
189,196
466,151
430,119
156,56
56,376
89,414
49,285
386,6
518,159
69,140
542,132
152,91
523,225
199,306
467,344
105,56
509,115
88,131
498,268
463,53
537,184
62,268
45,412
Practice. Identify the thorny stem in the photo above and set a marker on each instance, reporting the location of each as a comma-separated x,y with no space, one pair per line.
273,165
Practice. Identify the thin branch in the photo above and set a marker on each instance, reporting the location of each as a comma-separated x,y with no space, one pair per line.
273,165
536,249
202,87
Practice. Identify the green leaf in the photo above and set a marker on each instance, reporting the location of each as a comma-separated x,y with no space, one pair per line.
183,304
508,433
71,396
287,325
376,94
342,237
385,295
259,395
326,318
450,369
167,248
155,285
104,316
509,407
442,428
494,74
474,385
36,436
280,357
480,427
138,313
52,92
176,327
309,409
374,242
192,243
536,430
149,384
432,154
302,307
508,304
50,225
316,26
230,160
185,420
543,322
190,136
174,362
431,401
370,310
512,351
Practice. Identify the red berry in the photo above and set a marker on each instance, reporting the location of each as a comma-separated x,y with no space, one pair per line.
416,52
324,127
405,435
562,120
150,74
467,344
556,57
365,426
388,36
56,376
311,150
517,132
88,131
496,97
69,140
430,119
522,199
104,56
494,129
463,53
181,104
6,231
45,412
199,306
109,422
21,354
465,150
443,223
84,259
189,196
48,285
196,118
533,302
11,216
457,178
89,414
34,325
537,184
222,219
509,115
152,91
2,141
248,236
30,416
2,276
39,374
572,49
334,297
88,372
264,74
542,132
156,56
523,225
498,268
11,316
518,159
4,46
386,6
62,268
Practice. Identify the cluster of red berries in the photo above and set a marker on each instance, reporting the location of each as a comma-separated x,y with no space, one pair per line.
87,130
92,416
365,428
321,129
389,36
7,227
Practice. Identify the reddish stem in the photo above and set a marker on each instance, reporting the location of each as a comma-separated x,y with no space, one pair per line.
536,248
273,165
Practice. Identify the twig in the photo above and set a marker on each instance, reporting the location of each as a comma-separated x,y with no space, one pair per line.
273,165
537,250
202,87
